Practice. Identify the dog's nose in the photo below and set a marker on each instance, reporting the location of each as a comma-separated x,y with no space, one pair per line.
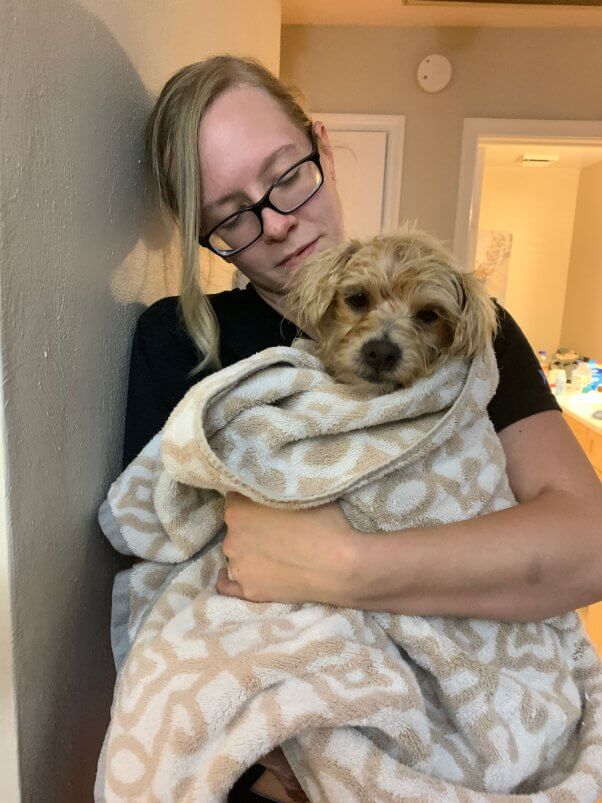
381,355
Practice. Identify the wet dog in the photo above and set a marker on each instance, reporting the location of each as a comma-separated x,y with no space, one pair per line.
389,310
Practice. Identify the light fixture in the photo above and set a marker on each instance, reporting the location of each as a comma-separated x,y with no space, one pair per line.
538,160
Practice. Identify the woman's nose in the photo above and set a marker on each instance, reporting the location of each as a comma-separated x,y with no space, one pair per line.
276,226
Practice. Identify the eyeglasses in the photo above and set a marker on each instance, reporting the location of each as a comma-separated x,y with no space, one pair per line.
289,192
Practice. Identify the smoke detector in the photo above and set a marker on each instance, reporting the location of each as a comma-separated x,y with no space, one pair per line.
537,159
434,73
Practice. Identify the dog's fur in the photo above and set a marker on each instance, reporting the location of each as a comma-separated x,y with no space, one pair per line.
388,310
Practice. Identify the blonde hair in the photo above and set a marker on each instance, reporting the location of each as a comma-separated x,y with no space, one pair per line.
171,144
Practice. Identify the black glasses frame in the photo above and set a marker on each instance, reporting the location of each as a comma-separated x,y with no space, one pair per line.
265,203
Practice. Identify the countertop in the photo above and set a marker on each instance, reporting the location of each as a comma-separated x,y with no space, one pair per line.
582,405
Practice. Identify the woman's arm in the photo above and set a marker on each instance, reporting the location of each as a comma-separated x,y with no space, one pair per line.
540,558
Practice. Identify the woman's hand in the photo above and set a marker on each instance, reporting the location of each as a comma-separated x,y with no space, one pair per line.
275,761
288,555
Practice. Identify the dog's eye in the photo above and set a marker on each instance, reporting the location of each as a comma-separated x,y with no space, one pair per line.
358,301
427,315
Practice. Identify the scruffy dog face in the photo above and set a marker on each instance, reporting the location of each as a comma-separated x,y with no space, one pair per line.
388,310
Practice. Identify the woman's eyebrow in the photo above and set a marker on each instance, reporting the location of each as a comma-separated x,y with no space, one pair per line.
269,160
263,168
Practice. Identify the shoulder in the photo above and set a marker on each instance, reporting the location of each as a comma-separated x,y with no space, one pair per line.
162,323
246,323
523,389
164,316
512,349
160,320
509,333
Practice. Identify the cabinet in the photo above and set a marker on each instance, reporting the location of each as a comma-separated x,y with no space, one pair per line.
590,441
592,621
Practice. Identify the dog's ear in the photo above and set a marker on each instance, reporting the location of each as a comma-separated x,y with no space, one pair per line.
311,288
477,322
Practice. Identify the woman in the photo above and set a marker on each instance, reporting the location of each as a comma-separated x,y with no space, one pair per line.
246,173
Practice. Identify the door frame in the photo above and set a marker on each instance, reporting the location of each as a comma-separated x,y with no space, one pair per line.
9,735
393,125
479,132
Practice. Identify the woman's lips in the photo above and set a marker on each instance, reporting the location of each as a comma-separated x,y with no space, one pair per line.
299,256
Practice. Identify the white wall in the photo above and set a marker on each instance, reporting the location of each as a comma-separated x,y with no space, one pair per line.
582,322
537,205
79,251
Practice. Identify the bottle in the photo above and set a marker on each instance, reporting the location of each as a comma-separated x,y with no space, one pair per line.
582,376
560,381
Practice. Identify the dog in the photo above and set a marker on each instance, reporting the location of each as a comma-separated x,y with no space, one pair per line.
387,311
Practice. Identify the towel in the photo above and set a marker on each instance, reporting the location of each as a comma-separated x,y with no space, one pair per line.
366,706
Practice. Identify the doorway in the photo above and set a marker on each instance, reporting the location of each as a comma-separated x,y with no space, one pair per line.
529,206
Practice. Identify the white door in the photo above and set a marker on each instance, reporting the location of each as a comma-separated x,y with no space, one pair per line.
368,152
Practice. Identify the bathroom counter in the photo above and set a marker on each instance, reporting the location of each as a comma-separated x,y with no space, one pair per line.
581,406
578,409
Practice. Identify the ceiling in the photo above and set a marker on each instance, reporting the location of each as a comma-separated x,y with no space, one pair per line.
398,13
569,155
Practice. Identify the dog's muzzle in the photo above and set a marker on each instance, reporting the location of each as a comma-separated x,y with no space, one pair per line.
380,356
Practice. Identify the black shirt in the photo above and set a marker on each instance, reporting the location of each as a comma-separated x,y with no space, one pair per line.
163,354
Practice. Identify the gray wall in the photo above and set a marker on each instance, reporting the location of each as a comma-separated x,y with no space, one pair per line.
80,250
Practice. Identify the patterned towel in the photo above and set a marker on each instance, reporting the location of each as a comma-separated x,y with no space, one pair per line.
366,706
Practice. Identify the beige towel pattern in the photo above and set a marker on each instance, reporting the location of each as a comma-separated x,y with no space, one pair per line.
367,706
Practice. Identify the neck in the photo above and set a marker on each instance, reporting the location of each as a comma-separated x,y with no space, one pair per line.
275,300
